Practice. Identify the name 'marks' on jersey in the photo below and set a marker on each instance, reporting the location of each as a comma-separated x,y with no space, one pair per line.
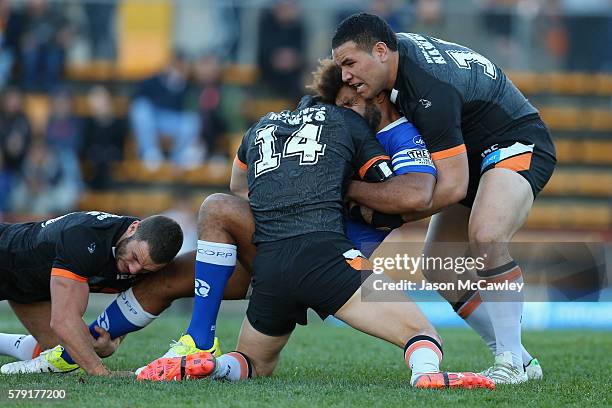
297,165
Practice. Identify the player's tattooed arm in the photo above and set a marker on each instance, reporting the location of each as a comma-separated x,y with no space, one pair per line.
68,304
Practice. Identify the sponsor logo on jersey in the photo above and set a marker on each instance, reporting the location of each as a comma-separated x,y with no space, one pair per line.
418,140
418,154
412,157
201,288
426,104
91,247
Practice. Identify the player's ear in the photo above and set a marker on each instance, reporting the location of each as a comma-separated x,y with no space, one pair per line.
132,228
381,51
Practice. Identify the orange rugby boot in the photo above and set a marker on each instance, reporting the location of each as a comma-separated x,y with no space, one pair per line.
454,380
192,366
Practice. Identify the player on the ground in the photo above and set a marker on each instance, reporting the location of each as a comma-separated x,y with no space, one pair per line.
492,152
297,164
48,269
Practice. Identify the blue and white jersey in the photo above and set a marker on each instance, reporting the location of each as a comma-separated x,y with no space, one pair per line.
407,150
403,143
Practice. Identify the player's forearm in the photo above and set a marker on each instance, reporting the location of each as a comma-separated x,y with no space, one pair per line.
75,337
443,196
390,197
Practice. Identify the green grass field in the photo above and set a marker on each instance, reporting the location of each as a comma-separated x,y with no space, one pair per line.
325,365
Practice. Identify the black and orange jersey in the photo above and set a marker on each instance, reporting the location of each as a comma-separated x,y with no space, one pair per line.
457,98
298,163
78,246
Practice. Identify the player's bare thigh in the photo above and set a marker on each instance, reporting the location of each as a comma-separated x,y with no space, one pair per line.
222,218
36,317
262,350
394,317
500,209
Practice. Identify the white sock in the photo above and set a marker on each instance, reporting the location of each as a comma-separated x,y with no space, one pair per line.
505,309
476,316
19,346
422,355
232,367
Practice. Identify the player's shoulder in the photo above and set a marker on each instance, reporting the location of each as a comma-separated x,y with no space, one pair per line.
400,130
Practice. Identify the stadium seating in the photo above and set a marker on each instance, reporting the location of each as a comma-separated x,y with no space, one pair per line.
575,106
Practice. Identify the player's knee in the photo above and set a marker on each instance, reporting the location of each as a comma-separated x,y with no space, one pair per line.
484,234
214,204
222,206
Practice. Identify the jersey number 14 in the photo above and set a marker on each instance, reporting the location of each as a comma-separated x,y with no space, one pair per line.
303,143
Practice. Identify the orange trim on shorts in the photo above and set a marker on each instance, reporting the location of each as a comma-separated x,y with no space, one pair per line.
67,274
359,264
445,154
364,169
420,344
36,351
469,306
244,367
516,163
239,163
510,276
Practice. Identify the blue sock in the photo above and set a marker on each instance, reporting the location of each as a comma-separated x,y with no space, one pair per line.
123,316
215,263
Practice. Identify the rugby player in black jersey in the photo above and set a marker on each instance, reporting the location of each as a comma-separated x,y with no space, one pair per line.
48,269
295,165
491,149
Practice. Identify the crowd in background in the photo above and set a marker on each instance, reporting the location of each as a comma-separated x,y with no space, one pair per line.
181,114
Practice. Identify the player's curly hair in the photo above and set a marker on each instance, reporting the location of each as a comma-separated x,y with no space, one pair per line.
365,30
326,81
163,235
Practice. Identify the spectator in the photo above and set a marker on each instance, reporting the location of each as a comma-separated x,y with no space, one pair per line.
10,27
159,108
99,24
64,130
104,137
47,186
589,25
498,19
280,53
212,123
399,18
44,40
15,131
